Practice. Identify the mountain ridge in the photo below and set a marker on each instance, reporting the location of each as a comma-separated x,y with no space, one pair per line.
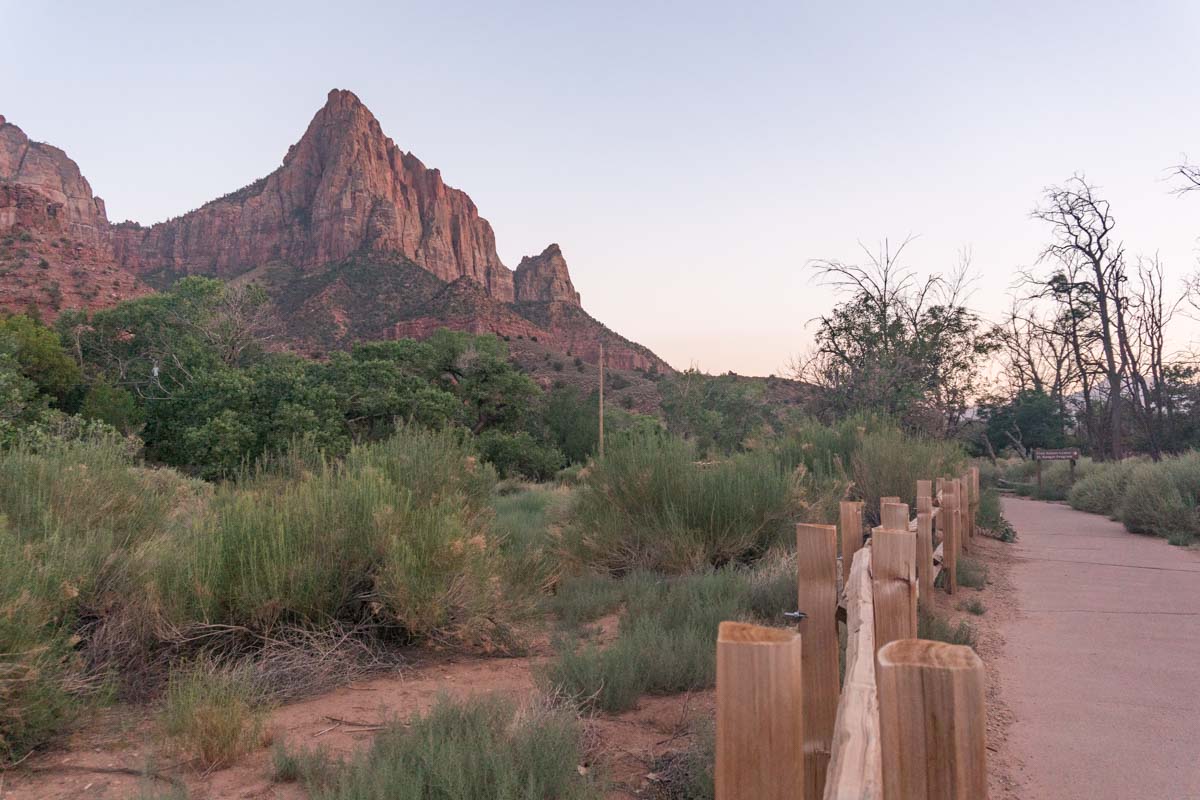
343,194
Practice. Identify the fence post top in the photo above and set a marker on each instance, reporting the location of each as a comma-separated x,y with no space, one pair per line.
924,653
745,633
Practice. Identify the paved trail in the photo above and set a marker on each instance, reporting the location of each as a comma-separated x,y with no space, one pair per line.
1102,663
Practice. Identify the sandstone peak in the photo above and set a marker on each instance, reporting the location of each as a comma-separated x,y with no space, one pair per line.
353,236
544,278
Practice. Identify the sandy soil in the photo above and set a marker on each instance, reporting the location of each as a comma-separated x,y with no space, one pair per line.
997,597
104,759
1102,660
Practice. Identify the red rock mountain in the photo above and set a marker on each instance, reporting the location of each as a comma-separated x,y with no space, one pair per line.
334,234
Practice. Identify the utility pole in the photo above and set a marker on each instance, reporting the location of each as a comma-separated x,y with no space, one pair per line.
602,401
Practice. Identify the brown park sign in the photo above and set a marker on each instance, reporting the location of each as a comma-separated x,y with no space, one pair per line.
1067,454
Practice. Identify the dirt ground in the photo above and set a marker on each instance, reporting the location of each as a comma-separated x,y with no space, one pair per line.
998,599
108,756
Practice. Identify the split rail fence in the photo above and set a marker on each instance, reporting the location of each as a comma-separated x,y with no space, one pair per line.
908,720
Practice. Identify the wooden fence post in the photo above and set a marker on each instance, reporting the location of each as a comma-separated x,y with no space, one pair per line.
973,488
968,509
924,489
816,559
894,563
950,535
884,502
925,554
760,714
933,721
894,516
851,518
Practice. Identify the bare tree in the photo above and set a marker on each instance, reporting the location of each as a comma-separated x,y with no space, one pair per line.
1092,266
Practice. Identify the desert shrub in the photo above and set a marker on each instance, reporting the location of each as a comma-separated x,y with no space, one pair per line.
524,526
989,517
312,768
1102,490
689,774
35,652
866,456
569,476
81,524
888,463
519,455
649,505
213,713
667,637
1161,498
973,606
931,626
583,598
971,573
396,536
481,749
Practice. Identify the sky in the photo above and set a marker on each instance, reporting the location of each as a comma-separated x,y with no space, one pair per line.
692,159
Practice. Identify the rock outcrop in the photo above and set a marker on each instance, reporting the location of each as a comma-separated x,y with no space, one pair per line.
47,171
544,279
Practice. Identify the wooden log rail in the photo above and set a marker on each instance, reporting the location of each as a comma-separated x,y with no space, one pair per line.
909,719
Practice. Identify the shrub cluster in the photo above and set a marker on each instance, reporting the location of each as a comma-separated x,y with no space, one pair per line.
111,565
650,505
1160,498
480,749
668,631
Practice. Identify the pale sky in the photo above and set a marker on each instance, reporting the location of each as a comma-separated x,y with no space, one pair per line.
691,158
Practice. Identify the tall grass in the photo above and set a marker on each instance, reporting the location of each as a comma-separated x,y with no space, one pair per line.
865,457
667,636
395,535
649,505
110,566
481,749
888,463
526,525
214,713
76,521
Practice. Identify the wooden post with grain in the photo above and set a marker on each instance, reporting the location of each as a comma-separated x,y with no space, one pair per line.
855,770
760,714
924,552
894,517
884,502
894,566
950,536
816,559
850,515
933,721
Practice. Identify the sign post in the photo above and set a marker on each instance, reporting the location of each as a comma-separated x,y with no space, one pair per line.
1063,454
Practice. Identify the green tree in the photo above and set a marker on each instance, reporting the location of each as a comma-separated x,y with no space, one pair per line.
718,413
39,355
1027,421
907,347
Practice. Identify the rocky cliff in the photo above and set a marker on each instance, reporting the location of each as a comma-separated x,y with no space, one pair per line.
55,243
345,199
344,188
